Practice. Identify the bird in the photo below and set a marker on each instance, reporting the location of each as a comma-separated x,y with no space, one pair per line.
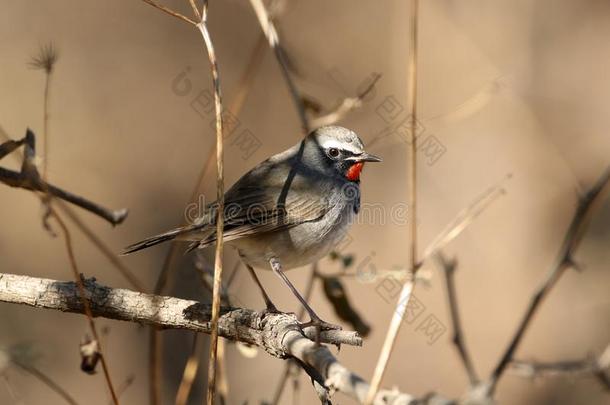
288,211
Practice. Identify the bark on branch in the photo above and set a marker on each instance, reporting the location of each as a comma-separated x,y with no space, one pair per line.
278,334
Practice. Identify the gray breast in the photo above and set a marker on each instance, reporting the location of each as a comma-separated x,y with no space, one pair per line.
304,243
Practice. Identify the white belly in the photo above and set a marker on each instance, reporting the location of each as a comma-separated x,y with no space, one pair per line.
300,245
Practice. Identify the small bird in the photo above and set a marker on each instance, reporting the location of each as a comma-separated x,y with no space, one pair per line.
288,211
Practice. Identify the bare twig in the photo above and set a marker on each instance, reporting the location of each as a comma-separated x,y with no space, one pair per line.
45,61
192,364
190,371
278,334
211,391
11,145
155,347
29,179
593,366
245,84
346,106
462,220
449,267
195,9
565,260
169,11
48,381
268,26
84,300
101,246
29,171
407,289
125,385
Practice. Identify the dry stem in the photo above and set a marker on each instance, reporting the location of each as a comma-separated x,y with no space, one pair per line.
407,289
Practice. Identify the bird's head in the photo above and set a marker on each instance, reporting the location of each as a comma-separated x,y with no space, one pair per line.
340,151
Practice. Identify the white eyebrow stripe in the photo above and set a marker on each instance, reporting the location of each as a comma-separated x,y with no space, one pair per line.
333,143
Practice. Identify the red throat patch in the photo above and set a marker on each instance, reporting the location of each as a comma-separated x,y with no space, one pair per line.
353,173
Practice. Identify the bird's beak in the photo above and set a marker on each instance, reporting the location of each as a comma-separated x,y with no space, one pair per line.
364,157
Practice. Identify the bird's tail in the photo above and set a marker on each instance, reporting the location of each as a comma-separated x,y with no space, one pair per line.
155,240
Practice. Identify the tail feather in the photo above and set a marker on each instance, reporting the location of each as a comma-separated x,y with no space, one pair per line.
155,240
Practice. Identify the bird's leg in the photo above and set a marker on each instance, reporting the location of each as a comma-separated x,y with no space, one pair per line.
270,306
315,319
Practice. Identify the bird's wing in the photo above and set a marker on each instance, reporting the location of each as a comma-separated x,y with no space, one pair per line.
264,201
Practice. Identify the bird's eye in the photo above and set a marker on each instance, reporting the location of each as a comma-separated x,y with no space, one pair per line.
333,152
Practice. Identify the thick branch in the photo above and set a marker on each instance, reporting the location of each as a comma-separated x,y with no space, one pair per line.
278,334
235,324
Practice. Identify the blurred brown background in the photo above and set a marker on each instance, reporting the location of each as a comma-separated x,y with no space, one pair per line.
515,87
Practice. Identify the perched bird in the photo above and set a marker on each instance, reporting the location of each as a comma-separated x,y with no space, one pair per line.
288,211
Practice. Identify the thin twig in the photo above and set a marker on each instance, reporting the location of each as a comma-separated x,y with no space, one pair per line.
101,246
268,27
190,370
169,11
211,391
48,381
124,386
45,61
244,87
195,9
84,299
594,366
192,364
449,267
462,220
565,260
346,106
407,289
30,182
